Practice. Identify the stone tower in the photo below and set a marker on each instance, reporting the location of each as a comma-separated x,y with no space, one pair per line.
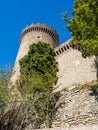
33,34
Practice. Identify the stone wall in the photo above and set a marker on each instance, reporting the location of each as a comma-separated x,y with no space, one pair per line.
94,127
73,68
76,109
77,106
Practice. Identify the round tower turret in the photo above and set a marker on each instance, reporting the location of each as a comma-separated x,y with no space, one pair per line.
33,34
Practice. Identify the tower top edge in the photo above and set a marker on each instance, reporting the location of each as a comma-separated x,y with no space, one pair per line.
38,25
40,28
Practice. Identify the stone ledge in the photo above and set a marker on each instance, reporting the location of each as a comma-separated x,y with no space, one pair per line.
93,127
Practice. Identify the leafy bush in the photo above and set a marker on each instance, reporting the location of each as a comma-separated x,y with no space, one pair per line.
4,79
38,75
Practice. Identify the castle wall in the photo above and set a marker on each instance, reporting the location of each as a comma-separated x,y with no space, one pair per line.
73,68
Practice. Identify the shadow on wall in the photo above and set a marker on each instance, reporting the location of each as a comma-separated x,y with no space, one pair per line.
95,92
96,65
95,87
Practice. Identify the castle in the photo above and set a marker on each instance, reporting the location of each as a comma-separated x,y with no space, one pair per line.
73,68
76,107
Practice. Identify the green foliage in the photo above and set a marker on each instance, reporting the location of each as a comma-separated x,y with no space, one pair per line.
27,113
40,66
4,79
84,25
38,75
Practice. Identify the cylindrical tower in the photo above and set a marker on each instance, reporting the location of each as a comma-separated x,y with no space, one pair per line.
33,34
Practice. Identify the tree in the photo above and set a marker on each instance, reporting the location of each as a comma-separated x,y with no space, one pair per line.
38,75
4,79
84,26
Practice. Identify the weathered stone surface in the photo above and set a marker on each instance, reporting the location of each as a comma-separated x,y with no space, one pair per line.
94,127
30,36
74,69
76,107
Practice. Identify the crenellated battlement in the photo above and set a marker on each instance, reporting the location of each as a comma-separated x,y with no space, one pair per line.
62,48
40,28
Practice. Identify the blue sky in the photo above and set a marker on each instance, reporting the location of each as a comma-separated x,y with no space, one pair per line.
17,14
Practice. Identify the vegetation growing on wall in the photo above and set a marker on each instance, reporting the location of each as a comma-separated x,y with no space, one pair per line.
38,75
84,26
4,79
